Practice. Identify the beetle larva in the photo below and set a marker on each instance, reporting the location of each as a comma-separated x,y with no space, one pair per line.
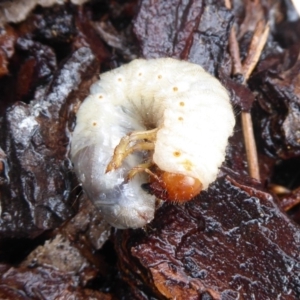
162,112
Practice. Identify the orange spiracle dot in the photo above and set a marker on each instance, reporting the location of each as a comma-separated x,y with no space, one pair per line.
180,188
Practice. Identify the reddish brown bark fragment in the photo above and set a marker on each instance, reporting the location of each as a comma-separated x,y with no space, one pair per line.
7,41
232,239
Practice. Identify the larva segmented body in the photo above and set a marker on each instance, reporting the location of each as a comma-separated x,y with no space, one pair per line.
193,116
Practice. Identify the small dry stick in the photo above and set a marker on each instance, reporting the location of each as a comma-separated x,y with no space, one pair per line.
250,145
227,4
235,52
257,44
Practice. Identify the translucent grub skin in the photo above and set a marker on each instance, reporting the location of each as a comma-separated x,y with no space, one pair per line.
193,118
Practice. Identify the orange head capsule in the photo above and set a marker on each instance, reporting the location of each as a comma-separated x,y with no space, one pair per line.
176,187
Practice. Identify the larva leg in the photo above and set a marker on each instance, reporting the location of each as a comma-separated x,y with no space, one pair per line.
145,167
142,141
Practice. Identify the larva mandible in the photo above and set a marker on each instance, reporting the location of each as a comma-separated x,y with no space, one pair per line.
176,110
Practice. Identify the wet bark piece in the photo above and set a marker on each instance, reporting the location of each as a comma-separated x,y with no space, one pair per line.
87,36
88,222
280,101
17,10
7,41
43,283
191,30
55,24
35,139
241,97
31,69
231,243
37,66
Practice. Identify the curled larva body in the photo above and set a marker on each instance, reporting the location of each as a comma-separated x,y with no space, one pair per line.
193,116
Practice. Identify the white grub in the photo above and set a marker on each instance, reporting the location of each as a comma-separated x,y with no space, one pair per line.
194,117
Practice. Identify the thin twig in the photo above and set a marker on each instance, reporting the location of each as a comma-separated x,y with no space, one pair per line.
227,4
250,145
235,52
256,46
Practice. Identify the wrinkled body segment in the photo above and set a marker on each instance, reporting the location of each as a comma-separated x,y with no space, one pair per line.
194,117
